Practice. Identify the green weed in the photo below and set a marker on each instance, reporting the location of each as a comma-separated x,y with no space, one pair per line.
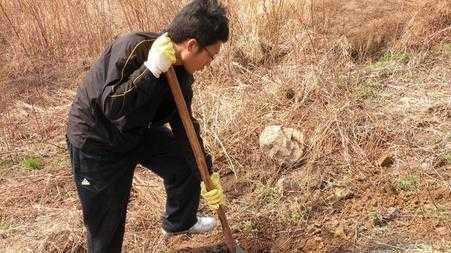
448,158
434,211
446,46
296,216
32,163
367,90
376,218
4,225
393,56
269,195
408,183
252,226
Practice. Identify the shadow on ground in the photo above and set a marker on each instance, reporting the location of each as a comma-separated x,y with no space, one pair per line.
220,248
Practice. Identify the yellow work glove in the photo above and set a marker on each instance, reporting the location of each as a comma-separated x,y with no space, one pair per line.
161,55
214,197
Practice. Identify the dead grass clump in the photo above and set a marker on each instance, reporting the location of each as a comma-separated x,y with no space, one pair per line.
31,214
429,25
57,28
142,15
372,28
266,26
376,36
61,28
70,242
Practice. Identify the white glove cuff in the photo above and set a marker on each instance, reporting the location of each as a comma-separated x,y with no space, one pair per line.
157,64
153,68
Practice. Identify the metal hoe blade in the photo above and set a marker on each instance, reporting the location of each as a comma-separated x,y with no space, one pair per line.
238,249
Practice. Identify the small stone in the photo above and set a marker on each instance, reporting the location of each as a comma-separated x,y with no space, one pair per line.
361,177
424,165
391,214
343,193
281,184
340,232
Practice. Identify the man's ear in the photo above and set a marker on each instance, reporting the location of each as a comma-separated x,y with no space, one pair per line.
191,45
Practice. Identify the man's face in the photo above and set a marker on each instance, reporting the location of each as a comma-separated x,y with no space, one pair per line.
195,58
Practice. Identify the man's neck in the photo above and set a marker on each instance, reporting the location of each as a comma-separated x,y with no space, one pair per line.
178,53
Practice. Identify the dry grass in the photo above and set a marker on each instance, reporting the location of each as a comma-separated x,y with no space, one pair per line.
61,29
364,80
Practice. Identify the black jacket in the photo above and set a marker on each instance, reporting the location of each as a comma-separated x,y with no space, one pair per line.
120,98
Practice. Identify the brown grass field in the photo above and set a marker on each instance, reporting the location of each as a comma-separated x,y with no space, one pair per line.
367,82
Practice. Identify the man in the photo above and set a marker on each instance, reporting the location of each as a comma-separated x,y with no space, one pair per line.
117,121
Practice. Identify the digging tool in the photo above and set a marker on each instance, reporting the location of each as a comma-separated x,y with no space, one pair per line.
199,155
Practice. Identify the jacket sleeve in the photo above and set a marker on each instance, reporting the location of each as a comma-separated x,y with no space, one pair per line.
180,134
129,84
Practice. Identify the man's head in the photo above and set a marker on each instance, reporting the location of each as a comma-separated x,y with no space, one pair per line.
198,31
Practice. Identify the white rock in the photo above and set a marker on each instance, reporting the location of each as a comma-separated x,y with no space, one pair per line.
283,144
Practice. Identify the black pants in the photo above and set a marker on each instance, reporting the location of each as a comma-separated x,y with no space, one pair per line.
104,181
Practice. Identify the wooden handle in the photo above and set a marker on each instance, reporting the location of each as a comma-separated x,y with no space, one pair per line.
198,153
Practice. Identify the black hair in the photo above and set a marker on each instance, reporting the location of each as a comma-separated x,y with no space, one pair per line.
203,20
